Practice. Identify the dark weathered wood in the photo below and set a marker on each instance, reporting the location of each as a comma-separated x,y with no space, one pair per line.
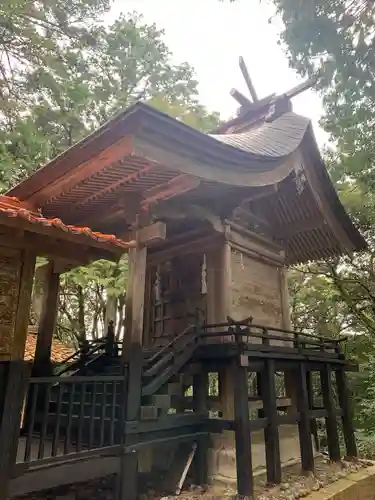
200,401
42,360
242,431
347,416
10,418
127,487
305,441
46,393
271,432
331,419
313,424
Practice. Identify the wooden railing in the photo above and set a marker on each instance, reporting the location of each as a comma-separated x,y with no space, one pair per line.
65,415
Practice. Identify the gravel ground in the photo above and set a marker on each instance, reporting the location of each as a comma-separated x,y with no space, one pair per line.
294,486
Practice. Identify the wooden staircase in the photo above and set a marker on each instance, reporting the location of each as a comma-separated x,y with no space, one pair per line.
167,373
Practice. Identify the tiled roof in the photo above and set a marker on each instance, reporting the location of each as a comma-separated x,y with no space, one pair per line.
13,208
59,350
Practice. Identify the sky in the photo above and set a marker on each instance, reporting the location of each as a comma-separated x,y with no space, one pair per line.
211,35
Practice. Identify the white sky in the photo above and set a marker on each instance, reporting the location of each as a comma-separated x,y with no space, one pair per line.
211,35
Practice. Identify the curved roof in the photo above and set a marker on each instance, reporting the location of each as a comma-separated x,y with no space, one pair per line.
142,149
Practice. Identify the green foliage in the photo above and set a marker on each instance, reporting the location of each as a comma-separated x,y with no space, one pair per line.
335,41
62,74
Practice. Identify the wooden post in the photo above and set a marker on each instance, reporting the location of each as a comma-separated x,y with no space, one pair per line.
42,360
132,354
242,430
200,401
331,420
271,432
13,384
313,424
347,422
305,441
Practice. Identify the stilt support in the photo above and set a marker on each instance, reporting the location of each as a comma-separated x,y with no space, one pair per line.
331,420
271,432
200,398
242,431
305,441
347,418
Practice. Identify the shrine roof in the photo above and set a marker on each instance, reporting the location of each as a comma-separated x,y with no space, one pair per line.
59,351
12,208
143,156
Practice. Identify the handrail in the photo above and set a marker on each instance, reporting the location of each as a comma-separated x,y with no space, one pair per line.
274,329
187,330
92,351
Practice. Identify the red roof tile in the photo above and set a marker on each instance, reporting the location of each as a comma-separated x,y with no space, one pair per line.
14,208
59,350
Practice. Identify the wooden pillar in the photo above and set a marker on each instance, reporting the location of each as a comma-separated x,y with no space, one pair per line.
27,270
219,283
271,432
347,414
245,485
200,404
47,324
305,441
331,420
132,355
313,424
13,382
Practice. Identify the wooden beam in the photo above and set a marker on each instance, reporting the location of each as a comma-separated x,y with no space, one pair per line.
152,234
111,187
178,185
127,206
240,98
54,247
87,169
248,80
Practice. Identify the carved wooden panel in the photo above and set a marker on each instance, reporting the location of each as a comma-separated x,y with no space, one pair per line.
255,291
177,296
10,271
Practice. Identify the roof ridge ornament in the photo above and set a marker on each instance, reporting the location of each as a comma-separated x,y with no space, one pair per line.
279,104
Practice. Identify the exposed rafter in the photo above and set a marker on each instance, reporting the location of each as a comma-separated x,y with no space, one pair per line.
89,168
178,185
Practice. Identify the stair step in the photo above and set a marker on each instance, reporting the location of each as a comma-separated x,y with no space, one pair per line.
149,412
161,401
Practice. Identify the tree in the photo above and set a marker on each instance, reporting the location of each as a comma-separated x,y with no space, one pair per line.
61,79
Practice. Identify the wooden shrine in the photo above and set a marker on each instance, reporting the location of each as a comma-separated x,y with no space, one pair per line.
211,223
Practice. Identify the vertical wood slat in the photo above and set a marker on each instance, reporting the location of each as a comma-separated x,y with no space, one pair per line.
245,484
68,435
347,417
14,377
46,394
113,414
92,415
271,432
305,441
56,429
103,414
32,400
331,420
200,405
81,418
